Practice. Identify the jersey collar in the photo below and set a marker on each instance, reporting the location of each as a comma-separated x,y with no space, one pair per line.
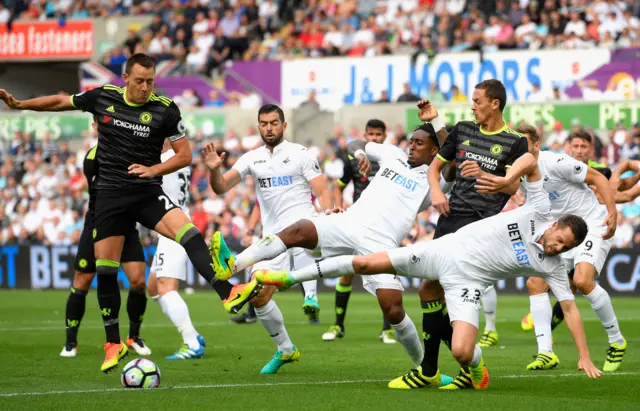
543,227
277,148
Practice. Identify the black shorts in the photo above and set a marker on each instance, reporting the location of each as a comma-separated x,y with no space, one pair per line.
85,257
452,223
118,211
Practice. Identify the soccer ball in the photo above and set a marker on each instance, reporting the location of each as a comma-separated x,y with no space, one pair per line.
141,373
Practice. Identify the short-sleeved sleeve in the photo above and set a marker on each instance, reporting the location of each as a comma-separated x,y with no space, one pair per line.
242,165
172,124
383,152
447,152
522,148
537,198
86,101
347,174
559,283
569,169
310,166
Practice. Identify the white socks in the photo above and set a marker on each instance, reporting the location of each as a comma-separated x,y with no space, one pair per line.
601,303
329,268
477,356
271,318
490,305
174,307
310,288
407,335
542,313
267,248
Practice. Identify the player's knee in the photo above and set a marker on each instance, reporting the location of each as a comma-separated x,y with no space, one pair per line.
463,353
82,281
430,290
584,281
300,234
346,280
395,313
536,285
360,265
263,297
152,286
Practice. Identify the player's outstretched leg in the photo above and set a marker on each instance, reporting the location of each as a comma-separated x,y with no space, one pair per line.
490,305
109,302
343,292
272,320
76,303
189,237
599,300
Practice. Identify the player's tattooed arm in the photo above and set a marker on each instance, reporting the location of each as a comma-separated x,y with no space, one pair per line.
45,103
525,165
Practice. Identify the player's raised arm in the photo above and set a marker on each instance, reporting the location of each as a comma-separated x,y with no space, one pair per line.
356,149
601,183
428,113
221,183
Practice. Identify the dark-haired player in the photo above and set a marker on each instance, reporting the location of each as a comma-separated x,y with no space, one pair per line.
133,264
486,146
379,220
567,181
133,123
375,132
286,174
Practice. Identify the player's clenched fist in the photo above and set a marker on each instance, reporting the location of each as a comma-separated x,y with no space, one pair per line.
211,158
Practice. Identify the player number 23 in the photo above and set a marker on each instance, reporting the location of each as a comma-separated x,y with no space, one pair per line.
465,293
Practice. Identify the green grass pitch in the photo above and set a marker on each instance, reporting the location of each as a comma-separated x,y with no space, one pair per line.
349,374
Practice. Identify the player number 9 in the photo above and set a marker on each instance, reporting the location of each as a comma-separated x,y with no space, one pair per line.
588,245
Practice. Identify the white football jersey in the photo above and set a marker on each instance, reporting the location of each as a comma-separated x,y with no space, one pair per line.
563,178
282,183
505,245
176,184
390,203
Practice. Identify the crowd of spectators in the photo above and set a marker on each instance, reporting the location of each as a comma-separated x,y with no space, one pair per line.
203,34
43,191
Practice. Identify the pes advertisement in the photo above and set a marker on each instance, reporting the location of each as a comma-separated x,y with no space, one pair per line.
46,40
343,81
599,116
43,267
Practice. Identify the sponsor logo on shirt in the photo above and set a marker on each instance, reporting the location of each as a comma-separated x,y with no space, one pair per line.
518,245
486,162
399,179
276,181
139,130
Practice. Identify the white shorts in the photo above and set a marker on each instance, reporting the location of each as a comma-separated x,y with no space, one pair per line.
593,250
170,260
432,260
339,236
292,259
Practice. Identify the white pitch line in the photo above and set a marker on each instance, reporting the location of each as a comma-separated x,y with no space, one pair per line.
278,384
92,326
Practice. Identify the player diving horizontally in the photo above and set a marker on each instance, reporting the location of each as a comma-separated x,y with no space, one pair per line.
525,241
285,174
379,220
